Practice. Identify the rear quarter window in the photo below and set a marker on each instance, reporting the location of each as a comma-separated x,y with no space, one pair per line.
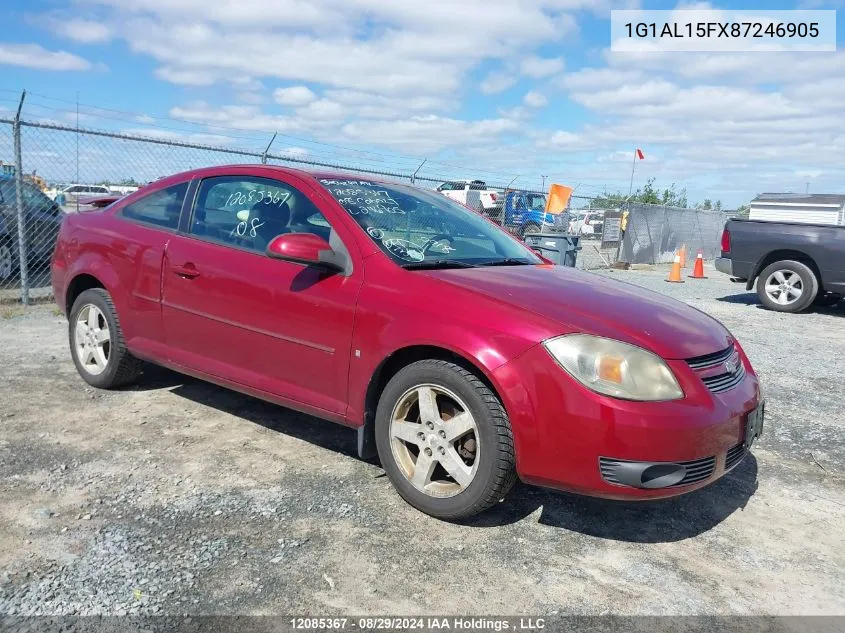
160,208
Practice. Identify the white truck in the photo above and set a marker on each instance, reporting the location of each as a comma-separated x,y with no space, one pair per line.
472,193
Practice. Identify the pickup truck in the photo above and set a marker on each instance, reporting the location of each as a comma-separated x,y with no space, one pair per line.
794,265
471,193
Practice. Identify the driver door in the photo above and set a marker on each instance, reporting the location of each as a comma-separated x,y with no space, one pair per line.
232,312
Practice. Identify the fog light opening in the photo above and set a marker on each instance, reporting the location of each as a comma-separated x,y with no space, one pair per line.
662,475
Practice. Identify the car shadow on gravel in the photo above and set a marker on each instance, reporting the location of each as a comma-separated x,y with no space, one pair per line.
751,299
274,417
661,521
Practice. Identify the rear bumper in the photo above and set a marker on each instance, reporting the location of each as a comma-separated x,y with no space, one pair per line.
570,438
724,265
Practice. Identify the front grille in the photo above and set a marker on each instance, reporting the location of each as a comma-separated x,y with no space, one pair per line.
710,360
734,456
732,374
723,382
696,470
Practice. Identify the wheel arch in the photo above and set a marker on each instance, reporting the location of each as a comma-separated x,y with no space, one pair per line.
782,255
390,366
79,284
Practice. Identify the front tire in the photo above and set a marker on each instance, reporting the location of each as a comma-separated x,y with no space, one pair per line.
444,440
96,342
787,286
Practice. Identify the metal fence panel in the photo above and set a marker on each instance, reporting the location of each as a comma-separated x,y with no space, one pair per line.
655,233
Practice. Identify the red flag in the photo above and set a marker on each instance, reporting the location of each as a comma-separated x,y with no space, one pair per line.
640,154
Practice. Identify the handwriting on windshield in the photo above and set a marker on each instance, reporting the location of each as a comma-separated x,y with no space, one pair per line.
359,197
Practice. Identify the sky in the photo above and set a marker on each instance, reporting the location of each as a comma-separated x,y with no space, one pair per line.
491,89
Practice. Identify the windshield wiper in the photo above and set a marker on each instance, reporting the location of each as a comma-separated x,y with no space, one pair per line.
434,264
508,261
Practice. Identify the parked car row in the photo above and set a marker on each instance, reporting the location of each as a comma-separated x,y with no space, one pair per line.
72,194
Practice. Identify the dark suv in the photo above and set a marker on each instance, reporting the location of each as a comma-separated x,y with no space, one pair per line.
42,219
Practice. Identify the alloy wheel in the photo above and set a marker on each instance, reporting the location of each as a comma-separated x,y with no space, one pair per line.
434,440
784,287
92,339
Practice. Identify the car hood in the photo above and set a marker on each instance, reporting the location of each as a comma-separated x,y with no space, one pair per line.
584,302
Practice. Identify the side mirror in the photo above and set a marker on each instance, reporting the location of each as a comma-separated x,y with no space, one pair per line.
305,248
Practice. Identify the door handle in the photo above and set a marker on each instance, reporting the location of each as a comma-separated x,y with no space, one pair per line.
187,271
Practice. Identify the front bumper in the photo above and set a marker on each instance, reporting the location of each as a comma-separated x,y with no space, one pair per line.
566,435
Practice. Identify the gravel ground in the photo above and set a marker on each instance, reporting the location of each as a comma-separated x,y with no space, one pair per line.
178,497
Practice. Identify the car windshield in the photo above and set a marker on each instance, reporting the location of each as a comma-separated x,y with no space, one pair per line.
414,226
536,202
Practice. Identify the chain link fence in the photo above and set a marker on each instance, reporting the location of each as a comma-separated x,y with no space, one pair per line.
48,170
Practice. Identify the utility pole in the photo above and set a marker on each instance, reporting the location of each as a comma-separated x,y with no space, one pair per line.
544,182
77,147
807,188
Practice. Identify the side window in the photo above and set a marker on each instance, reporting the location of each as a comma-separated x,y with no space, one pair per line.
248,212
76,189
160,208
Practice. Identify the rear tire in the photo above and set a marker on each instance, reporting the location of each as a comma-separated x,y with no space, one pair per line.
787,286
96,342
444,440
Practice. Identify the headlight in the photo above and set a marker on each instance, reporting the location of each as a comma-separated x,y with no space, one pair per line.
614,368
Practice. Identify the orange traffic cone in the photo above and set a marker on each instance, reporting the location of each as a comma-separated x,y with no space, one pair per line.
683,255
675,273
698,269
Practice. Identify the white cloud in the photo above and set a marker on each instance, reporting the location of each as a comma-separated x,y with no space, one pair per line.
39,58
295,96
539,67
535,99
494,83
185,76
370,105
185,137
293,152
426,134
370,72
324,110
84,31
410,48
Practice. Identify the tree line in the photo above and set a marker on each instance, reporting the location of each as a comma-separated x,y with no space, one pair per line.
650,194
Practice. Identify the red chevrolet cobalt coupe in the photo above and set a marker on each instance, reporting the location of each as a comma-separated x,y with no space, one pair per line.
460,357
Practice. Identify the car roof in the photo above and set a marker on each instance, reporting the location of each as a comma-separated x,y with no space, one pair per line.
269,170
